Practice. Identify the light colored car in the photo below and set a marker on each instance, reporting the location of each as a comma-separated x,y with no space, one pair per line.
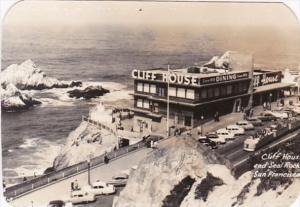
119,180
224,133
213,136
245,124
81,196
278,114
100,188
235,129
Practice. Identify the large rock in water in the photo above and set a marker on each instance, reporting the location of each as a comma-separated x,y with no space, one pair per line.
88,92
28,76
14,100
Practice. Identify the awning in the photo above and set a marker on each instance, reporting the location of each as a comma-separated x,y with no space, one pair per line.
273,86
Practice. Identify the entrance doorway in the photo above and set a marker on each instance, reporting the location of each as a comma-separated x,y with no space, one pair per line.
237,106
188,121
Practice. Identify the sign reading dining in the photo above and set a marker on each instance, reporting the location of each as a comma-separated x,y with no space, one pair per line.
184,79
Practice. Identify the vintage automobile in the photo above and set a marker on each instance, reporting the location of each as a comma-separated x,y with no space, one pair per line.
81,196
213,136
245,124
235,129
225,134
119,180
100,188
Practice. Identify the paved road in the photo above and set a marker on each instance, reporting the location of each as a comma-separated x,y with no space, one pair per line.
61,190
102,200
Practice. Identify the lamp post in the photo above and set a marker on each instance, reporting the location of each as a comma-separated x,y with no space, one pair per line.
202,117
270,100
89,168
168,102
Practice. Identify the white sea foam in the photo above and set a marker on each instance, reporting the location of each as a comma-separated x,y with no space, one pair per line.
30,142
40,159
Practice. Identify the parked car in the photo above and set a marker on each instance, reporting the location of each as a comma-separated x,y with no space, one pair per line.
119,180
255,121
100,188
211,144
224,133
203,139
56,203
81,196
245,124
278,114
266,116
235,129
213,136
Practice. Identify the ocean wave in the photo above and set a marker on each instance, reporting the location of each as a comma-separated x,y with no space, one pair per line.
39,156
29,143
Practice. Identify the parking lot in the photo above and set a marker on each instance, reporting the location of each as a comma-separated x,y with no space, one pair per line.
233,150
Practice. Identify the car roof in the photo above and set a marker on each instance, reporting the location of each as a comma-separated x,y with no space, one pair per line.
121,175
78,192
57,202
98,183
233,126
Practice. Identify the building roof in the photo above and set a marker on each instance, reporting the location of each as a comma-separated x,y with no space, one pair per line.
210,72
272,86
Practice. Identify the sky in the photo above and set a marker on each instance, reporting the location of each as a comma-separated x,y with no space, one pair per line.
264,28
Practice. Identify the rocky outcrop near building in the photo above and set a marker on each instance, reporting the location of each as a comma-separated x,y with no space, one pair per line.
181,174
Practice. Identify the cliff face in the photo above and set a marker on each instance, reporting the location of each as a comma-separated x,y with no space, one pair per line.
157,175
179,175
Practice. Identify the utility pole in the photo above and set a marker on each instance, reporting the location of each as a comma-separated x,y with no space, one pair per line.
168,102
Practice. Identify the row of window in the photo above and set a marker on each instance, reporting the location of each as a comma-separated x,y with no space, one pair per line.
146,87
224,91
205,93
143,103
182,92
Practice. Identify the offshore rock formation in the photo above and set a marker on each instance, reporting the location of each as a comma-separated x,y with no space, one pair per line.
88,93
13,99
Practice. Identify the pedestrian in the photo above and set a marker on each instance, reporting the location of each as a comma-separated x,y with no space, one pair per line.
75,185
264,106
217,116
106,159
72,186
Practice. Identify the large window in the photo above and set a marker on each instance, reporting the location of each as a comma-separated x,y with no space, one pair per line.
229,89
146,104
217,92
172,91
152,88
210,92
203,93
146,88
190,93
161,91
139,103
140,87
181,92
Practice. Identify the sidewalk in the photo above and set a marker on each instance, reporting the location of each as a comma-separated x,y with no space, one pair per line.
232,118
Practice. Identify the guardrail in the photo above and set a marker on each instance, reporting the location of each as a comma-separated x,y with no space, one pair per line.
99,124
51,178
